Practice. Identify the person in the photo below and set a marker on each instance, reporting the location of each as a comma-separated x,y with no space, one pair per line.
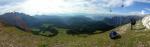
133,22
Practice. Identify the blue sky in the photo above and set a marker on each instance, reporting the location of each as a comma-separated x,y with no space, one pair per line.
137,7
46,7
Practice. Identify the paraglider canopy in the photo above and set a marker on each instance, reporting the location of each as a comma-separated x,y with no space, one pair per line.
122,5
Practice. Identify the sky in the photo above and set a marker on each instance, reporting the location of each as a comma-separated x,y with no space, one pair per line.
47,7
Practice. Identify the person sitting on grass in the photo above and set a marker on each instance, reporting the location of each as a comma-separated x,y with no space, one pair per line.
114,35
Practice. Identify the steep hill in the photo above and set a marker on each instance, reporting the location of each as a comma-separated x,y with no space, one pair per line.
14,19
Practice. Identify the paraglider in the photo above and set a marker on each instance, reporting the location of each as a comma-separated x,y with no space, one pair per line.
122,4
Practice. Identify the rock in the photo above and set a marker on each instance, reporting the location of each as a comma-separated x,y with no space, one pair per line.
146,21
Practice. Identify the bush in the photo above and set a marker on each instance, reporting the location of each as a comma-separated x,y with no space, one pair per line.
45,30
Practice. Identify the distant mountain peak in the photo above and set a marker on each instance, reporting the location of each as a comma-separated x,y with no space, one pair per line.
15,14
15,19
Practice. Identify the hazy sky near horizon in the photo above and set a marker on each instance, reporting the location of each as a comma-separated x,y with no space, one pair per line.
45,7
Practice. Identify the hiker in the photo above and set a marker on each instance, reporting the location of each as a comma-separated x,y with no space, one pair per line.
133,22
114,35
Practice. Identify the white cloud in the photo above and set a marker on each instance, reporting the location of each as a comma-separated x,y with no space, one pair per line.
128,2
116,3
142,12
148,9
34,7
9,2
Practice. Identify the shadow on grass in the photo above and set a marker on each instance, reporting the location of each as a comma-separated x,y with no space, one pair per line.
117,37
139,28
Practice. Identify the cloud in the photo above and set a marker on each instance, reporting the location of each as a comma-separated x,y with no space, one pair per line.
39,7
142,12
9,5
116,3
147,9
9,2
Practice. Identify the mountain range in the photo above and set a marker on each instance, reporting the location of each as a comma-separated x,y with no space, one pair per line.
26,22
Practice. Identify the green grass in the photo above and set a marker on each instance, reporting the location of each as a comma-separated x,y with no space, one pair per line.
11,36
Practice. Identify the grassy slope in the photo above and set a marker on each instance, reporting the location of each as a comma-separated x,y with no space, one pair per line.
10,36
